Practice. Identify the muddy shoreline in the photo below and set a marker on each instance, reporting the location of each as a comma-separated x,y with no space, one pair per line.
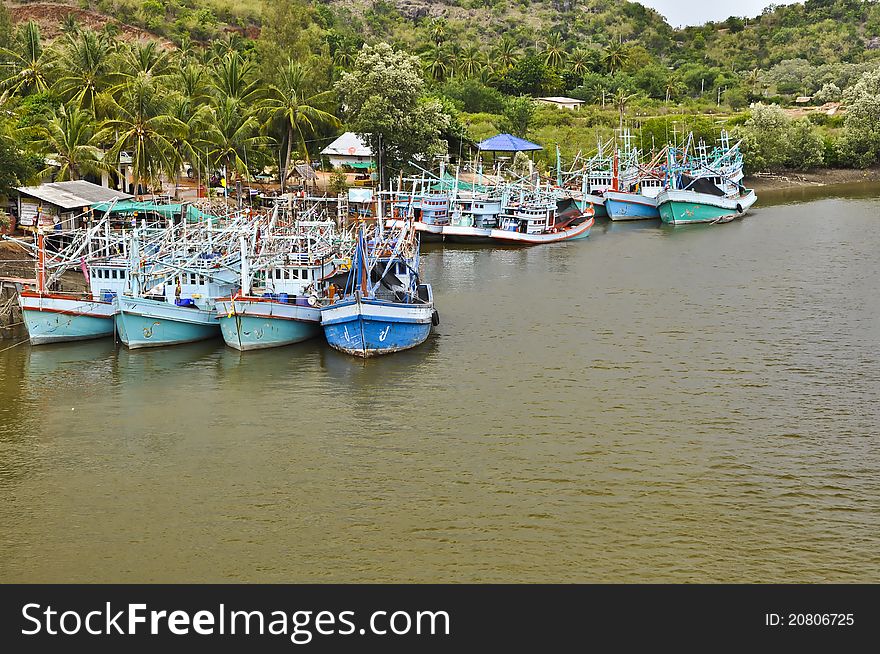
811,178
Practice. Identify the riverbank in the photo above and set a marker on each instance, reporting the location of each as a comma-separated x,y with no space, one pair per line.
823,177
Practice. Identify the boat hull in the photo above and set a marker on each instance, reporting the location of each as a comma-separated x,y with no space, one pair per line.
690,207
429,232
596,201
630,206
59,318
479,235
368,328
256,323
143,322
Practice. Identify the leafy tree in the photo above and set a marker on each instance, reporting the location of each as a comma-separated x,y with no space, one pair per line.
518,116
385,101
474,96
860,142
530,76
18,166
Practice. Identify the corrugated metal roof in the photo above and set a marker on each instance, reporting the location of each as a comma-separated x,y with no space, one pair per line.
306,172
348,144
73,194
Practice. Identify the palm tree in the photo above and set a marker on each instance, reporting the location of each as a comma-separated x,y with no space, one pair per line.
579,62
471,61
232,133
674,86
621,100
615,56
69,138
146,59
85,68
28,60
69,24
190,80
142,126
345,55
554,51
438,62
288,102
506,54
195,116
438,30
235,78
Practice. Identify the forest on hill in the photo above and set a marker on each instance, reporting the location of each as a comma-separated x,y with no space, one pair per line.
258,84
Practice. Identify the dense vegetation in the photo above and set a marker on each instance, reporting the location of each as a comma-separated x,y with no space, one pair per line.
255,85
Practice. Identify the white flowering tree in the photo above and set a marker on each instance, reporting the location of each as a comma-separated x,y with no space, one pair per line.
385,102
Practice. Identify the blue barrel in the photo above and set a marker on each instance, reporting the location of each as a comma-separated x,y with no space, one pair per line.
282,297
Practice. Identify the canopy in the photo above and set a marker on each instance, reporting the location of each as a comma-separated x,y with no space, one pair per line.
193,214
507,143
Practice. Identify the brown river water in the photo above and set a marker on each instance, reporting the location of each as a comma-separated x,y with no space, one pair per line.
696,404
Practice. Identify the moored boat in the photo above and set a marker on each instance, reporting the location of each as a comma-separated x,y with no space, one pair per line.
384,308
682,207
279,299
61,317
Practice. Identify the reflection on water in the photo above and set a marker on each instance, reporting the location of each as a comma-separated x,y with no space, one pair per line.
652,404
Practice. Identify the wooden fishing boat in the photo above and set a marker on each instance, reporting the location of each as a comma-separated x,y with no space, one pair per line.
384,308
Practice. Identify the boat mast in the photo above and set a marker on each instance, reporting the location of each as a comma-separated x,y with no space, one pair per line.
41,260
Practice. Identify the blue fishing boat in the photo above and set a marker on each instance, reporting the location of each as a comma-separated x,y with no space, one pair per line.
384,308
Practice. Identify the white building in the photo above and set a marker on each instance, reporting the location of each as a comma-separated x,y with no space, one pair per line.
349,150
559,101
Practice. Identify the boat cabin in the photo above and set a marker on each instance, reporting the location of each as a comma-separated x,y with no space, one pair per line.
108,280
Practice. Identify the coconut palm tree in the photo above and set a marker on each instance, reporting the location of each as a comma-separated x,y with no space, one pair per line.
85,68
674,86
233,133
438,30
621,100
235,77
580,61
438,62
189,142
471,61
288,102
554,51
506,54
192,83
345,55
615,56
29,62
70,141
147,59
142,126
